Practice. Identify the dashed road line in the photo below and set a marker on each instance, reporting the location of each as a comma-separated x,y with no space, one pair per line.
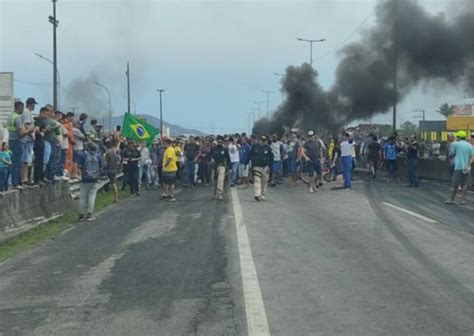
257,323
411,213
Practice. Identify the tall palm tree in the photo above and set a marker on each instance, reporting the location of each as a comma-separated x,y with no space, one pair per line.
445,110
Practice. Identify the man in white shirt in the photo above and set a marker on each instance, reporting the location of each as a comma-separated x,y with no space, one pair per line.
234,154
346,155
27,141
276,147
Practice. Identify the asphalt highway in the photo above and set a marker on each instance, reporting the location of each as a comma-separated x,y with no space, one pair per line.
380,259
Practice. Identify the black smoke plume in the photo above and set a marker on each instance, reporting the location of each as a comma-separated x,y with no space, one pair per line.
427,48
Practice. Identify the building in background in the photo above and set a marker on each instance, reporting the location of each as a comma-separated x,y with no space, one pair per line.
7,96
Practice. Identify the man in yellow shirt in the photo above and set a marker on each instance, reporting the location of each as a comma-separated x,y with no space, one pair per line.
169,171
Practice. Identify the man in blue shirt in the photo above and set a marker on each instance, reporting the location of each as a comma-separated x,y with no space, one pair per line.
463,154
390,153
90,164
244,153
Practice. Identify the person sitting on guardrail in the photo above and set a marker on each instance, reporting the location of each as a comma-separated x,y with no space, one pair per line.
90,164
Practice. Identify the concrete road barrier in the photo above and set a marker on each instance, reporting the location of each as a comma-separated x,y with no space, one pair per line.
22,210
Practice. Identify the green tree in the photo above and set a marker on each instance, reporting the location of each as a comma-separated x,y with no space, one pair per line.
445,110
408,128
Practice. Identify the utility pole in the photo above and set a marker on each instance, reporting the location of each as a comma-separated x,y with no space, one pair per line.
161,111
310,47
58,74
54,22
268,100
395,65
128,86
253,109
422,111
258,108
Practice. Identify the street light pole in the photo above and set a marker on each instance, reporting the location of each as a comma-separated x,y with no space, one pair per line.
57,71
310,47
268,100
161,111
110,103
128,86
258,106
54,22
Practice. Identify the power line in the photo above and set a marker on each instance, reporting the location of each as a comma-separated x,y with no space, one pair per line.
31,83
351,34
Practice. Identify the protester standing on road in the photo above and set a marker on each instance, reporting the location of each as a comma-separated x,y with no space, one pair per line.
17,132
313,153
244,153
132,156
234,155
90,165
170,169
412,157
261,156
336,164
463,154
111,166
144,171
220,161
277,149
191,152
346,156
373,156
390,153
293,150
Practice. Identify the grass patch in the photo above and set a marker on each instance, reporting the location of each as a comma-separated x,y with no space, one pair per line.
53,228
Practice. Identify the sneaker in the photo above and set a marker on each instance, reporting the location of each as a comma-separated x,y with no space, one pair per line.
90,218
19,187
47,180
56,178
257,198
262,198
172,199
65,178
311,190
448,202
81,218
220,198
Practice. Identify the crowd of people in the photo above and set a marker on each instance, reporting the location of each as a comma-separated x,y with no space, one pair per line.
55,146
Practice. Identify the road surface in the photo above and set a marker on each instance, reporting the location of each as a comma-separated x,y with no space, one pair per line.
380,259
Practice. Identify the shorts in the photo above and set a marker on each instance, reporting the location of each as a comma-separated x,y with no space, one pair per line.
244,170
276,166
169,178
460,179
112,177
292,167
338,168
27,156
314,167
77,156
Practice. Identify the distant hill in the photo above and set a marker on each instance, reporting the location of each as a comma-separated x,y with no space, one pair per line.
174,129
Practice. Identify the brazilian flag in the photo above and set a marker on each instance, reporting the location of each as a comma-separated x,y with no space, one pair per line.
137,129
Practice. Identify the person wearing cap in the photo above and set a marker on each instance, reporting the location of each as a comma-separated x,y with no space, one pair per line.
412,159
28,140
220,159
462,153
313,153
261,157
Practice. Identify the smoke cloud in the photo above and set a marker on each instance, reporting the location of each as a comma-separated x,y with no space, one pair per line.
427,48
84,96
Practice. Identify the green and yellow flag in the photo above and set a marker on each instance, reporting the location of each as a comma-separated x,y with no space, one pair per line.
136,129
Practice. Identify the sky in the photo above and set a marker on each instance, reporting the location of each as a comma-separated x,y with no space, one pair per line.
212,58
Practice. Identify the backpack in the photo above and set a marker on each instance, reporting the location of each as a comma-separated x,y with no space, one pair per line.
91,168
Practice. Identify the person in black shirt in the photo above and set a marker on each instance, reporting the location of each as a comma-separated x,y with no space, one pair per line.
412,157
374,156
261,157
220,160
132,156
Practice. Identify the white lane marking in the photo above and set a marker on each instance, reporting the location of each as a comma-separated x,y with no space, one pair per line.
254,308
411,213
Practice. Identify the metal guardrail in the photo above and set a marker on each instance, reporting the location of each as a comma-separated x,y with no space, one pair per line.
75,185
